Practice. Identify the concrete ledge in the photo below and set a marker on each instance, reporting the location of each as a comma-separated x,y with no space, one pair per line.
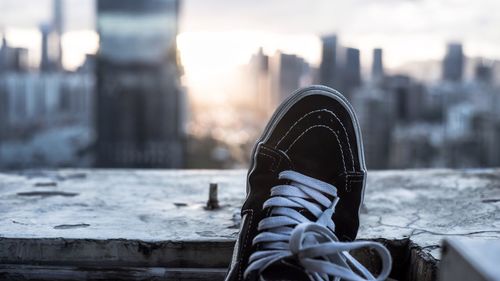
116,252
465,259
55,273
101,220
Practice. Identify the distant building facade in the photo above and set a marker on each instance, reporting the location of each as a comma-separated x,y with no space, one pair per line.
32,101
286,73
13,59
352,72
483,72
260,83
58,25
376,111
328,67
453,63
45,60
46,114
377,65
140,104
51,45
340,67
408,97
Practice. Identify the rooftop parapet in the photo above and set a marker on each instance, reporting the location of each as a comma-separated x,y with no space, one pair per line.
132,224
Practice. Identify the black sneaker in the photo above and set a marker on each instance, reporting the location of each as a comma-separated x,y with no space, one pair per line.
304,192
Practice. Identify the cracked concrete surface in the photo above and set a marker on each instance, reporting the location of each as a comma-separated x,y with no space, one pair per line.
157,218
428,205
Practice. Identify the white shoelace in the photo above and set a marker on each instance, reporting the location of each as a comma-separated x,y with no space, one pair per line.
287,233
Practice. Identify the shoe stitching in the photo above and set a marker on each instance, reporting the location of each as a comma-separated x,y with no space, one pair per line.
266,148
336,117
320,126
336,136
291,127
279,162
353,181
276,165
273,168
240,264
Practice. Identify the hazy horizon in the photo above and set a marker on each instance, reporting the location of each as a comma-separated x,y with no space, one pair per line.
217,36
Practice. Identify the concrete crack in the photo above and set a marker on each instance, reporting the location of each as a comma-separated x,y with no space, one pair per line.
420,231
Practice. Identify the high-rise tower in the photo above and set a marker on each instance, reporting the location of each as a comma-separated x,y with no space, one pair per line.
377,65
140,105
453,63
58,26
45,61
351,72
328,66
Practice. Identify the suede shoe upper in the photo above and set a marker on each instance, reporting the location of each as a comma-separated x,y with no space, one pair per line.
314,133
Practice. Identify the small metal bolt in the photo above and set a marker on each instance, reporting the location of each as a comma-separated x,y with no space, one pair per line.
213,202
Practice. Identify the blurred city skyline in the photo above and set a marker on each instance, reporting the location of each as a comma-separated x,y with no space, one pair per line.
231,31
171,83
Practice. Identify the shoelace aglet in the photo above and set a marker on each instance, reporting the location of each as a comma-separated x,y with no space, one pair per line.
334,203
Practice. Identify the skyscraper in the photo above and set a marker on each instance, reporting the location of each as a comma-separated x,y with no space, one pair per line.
377,65
45,62
58,25
328,66
260,82
407,95
453,63
375,111
51,59
140,105
286,73
352,72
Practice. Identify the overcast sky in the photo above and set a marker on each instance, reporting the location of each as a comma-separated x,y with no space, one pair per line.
406,29
409,29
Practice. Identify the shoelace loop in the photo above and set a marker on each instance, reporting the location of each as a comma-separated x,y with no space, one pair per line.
287,233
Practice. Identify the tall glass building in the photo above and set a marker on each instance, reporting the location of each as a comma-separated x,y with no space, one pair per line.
140,103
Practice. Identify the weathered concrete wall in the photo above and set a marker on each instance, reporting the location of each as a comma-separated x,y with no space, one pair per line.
151,221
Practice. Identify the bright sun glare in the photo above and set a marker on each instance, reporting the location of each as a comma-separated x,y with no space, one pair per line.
209,56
